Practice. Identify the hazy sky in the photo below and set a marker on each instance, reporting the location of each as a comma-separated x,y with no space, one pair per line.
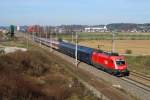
56,12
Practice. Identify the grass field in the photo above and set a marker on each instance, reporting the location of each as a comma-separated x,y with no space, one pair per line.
138,47
17,42
139,64
138,43
106,36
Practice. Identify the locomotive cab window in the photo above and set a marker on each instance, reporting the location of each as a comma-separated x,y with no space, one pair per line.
120,62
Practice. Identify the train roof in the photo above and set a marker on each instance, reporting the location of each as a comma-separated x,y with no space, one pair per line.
81,48
107,53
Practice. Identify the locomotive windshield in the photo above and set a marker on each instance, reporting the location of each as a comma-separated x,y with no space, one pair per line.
120,62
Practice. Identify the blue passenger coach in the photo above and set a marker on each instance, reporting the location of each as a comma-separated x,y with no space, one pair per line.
84,53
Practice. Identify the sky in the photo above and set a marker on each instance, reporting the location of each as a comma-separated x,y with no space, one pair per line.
89,12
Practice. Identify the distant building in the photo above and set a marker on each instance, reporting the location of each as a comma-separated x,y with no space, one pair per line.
96,29
3,31
61,30
134,31
18,28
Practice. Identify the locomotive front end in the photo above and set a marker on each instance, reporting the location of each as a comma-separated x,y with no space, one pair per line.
121,67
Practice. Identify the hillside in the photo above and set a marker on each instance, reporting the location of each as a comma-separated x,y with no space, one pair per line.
35,75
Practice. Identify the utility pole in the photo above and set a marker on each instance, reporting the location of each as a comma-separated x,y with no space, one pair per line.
56,35
56,31
72,37
40,40
45,30
33,36
50,40
113,42
40,37
76,51
27,40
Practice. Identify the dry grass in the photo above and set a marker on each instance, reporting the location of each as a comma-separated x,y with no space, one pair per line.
17,42
35,75
139,64
1,35
137,46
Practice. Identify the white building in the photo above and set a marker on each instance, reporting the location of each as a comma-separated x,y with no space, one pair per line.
18,28
96,29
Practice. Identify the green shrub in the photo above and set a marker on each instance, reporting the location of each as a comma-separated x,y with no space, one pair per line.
128,51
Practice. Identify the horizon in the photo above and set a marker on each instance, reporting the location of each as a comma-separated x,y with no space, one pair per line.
72,24
66,12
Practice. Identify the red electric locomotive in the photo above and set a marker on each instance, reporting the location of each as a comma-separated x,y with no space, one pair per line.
110,62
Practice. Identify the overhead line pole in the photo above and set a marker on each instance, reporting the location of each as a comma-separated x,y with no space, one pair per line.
76,51
72,37
45,30
51,39
27,40
33,36
40,37
113,42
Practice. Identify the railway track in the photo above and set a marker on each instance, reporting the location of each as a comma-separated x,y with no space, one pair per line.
140,75
139,80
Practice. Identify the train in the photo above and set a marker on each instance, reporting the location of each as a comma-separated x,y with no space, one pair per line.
110,62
